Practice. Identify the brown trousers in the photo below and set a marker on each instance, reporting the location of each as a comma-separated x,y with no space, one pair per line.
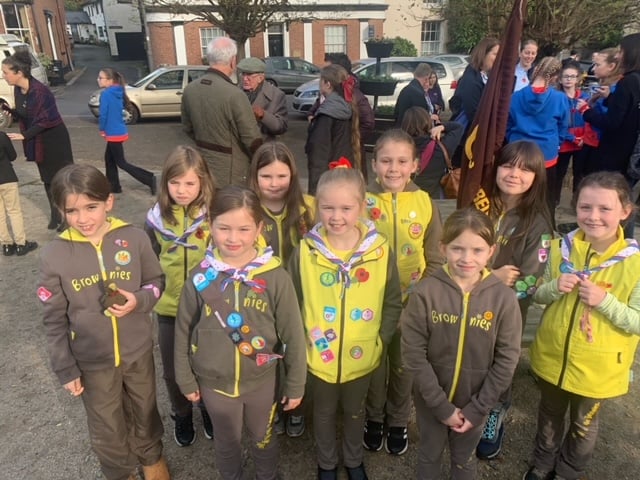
567,452
124,424
434,436
327,399
390,389
255,410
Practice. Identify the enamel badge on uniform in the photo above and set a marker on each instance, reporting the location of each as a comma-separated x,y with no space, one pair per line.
200,281
545,240
543,255
234,320
44,294
122,257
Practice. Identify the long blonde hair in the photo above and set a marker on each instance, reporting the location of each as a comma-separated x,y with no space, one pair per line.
548,68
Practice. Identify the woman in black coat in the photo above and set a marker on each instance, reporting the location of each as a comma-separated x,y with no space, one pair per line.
620,123
43,133
465,100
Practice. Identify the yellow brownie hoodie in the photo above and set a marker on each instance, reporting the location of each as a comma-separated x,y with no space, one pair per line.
179,247
412,223
350,306
74,274
461,348
578,349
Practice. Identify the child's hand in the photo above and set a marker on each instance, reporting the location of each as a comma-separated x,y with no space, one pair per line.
290,403
465,427
590,294
567,281
436,132
128,307
193,397
15,136
508,274
456,420
75,387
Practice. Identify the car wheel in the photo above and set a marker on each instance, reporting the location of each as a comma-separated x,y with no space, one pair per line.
131,114
271,81
5,120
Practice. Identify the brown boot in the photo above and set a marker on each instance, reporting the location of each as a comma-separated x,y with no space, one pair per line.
157,471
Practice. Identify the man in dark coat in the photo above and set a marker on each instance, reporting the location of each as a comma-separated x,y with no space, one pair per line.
415,94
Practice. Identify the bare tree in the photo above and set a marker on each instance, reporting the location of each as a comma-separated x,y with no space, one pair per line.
240,19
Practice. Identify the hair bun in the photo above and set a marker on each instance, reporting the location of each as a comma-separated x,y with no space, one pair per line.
342,162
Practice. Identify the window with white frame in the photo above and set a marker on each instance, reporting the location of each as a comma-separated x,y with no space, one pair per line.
335,39
208,34
15,21
430,38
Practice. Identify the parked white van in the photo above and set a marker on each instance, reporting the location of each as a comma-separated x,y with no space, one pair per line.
9,44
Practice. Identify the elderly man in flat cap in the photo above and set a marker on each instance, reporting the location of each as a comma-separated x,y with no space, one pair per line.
268,101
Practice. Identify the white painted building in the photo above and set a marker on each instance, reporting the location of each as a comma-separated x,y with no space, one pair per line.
118,23
420,22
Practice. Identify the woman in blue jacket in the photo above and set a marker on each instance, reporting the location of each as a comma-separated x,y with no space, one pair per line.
112,127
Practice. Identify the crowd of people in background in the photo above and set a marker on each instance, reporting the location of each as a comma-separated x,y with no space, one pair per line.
348,297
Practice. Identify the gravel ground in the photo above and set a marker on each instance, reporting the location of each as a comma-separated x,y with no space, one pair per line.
44,434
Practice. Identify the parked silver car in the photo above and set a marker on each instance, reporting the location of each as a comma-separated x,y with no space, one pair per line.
400,68
288,73
458,62
159,94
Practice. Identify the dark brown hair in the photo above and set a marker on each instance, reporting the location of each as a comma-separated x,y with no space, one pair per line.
608,181
296,218
20,61
526,155
417,122
481,50
630,47
79,179
118,79
182,159
233,197
468,219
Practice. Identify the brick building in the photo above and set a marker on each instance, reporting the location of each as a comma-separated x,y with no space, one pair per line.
328,26
41,24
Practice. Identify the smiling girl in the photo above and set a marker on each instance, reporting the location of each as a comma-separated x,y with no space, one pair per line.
347,284
99,280
410,220
582,352
523,234
238,307
461,359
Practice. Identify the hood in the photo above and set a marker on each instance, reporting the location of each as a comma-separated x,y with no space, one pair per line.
73,235
335,106
488,280
116,91
529,102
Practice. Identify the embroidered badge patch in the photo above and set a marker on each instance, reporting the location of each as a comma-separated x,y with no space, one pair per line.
234,320
44,294
329,314
415,230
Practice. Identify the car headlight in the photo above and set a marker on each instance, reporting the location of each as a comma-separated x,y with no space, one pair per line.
310,94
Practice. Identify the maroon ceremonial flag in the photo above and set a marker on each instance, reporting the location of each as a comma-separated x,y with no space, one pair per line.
490,123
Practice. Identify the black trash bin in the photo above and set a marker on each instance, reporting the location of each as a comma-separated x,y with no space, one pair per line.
56,74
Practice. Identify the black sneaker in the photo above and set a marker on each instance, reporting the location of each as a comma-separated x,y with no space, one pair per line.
492,435
373,435
8,249
207,426
183,432
397,440
357,473
327,474
295,426
26,248
534,474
